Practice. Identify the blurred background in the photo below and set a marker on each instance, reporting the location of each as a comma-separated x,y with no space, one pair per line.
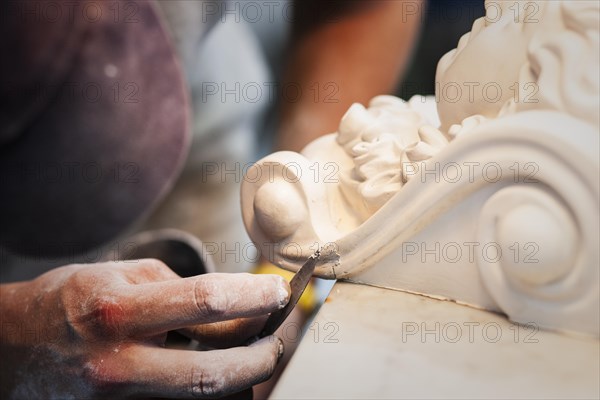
261,76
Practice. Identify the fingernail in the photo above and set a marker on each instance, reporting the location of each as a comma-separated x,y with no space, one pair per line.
280,349
283,291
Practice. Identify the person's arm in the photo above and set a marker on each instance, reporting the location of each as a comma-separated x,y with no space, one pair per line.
98,331
342,52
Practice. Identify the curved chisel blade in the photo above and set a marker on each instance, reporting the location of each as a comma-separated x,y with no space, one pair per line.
297,284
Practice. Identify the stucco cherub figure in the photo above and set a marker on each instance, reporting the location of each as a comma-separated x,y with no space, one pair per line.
486,193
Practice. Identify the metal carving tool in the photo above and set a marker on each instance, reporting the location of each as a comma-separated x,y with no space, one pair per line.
297,284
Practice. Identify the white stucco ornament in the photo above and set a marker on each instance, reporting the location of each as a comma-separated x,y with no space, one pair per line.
486,194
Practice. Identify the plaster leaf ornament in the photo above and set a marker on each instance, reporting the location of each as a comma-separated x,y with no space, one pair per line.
486,194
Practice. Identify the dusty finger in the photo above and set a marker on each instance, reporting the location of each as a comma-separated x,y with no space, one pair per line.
159,372
226,333
146,270
157,307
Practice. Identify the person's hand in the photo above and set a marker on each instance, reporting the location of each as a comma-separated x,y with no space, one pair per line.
98,330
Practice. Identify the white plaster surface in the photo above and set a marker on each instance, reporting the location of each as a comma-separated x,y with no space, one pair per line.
395,181
376,356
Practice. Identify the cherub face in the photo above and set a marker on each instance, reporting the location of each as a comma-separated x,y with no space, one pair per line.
478,77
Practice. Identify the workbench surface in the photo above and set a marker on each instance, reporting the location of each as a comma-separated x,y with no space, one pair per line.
368,342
